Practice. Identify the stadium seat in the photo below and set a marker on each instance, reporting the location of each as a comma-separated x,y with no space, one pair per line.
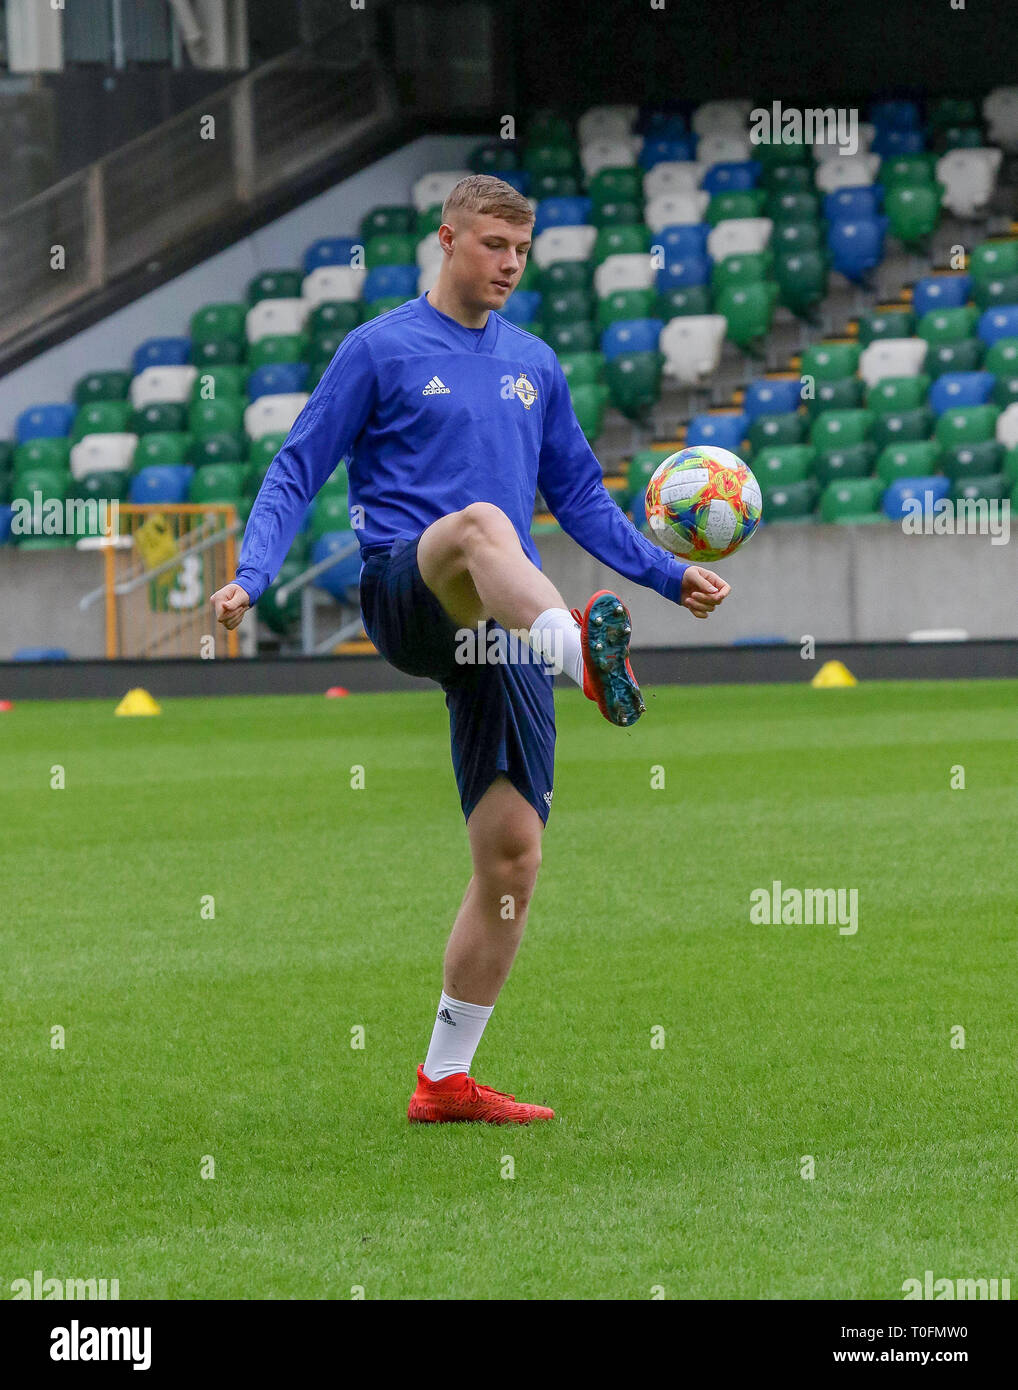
692,346
793,501
896,426
273,414
631,335
961,388
780,465
998,322
161,352
341,579
912,212
680,300
101,417
278,348
787,427
830,361
42,453
850,171
274,284
947,325
729,114
853,203
748,310
616,184
894,393
623,272
895,357
963,356
837,429
589,404
961,461
103,453
101,386
161,483
739,236
902,495
801,277
330,251
915,458
218,321
582,368
968,177
724,147
1007,427
391,282
727,431
940,292
671,209
856,247
672,176
44,422
846,393
740,176
634,382
850,499
771,396
886,323
280,378
333,284
966,425
227,446
563,244
850,461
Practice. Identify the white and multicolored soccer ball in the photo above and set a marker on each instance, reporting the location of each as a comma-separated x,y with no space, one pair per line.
703,503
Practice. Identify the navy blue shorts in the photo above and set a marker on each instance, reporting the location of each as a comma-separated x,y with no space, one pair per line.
501,714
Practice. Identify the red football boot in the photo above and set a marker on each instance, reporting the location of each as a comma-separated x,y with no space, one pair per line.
607,675
459,1098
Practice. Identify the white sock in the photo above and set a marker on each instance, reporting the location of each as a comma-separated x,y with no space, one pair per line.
556,633
454,1039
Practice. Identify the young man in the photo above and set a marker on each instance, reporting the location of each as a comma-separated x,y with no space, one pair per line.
452,419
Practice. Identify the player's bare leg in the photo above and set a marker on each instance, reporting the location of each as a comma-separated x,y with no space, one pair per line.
505,845
472,561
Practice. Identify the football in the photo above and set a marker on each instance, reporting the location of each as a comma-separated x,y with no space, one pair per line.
703,503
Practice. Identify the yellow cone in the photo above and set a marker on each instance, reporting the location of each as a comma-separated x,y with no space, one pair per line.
137,701
833,674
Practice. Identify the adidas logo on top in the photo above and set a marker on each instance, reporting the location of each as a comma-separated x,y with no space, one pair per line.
436,387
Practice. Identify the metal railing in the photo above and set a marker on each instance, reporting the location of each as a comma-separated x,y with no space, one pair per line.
217,159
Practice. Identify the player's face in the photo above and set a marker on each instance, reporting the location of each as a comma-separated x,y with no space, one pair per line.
490,256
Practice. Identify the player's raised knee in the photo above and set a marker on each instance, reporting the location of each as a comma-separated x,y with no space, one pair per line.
483,523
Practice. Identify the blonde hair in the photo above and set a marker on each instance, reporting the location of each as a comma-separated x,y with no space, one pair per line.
485,194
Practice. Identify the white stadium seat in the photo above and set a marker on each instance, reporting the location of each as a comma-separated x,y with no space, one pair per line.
892,357
610,154
675,210
1000,111
270,317
850,171
564,244
714,116
723,147
969,178
274,414
672,176
631,270
162,384
429,253
435,187
692,346
738,236
606,123
103,453
1007,426
339,282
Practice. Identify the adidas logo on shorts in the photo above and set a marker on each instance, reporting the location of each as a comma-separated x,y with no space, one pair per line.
436,387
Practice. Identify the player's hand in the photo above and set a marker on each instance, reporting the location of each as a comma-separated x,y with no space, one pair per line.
230,604
702,591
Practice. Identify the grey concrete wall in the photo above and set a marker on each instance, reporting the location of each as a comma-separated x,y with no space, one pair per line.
837,583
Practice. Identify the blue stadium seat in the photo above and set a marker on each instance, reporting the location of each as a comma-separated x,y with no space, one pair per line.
161,482
388,281
850,204
999,322
345,574
960,388
516,178
857,247
662,125
666,149
900,114
162,352
726,431
631,335
731,178
928,491
45,422
6,517
522,307
889,142
772,397
561,212
681,270
329,250
683,239
40,654
278,379
940,292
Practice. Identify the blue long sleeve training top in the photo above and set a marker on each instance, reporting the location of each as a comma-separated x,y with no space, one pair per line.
432,416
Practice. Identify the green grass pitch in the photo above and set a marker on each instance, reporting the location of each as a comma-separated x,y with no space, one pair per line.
677,1167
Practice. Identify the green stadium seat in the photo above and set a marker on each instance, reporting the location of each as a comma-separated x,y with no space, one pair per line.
781,153
960,461
277,616
101,486
589,403
567,306
581,336
684,300
993,260
273,284
993,488
220,383
900,426
1009,466
42,453
102,386
794,205
966,425
802,280
850,499
964,356
772,431
393,248
549,128
1005,391
885,323
428,221
172,447
617,215
747,268
582,368
323,346
1002,289
780,465
498,158
788,178
837,429
49,481
797,235
261,453
337,484
830,361
634,382
218,482
226,446
622,305
333,316
560,158
331,513
791,501
400,219
742,203
851,461
913,211
549,185
565,275
948,325
220,322
846,393
616,184
906,170
748,309
160,417
1002,357
914,459
621,241
215,416
642,467
218,351
101,417
276,347
896,393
